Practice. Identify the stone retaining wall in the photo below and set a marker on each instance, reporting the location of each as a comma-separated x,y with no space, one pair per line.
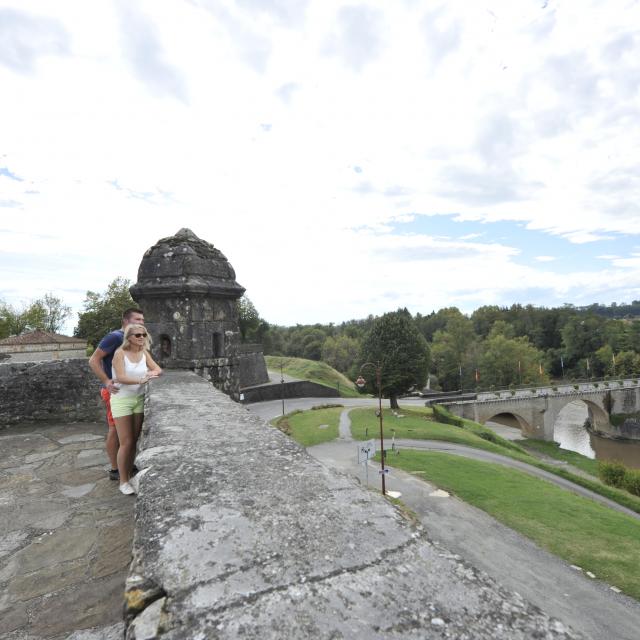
253,369
240,533
49,391
297,389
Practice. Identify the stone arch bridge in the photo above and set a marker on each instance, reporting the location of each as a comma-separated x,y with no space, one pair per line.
536,411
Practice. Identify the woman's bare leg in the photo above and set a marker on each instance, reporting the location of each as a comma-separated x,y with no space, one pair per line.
126,450
137,425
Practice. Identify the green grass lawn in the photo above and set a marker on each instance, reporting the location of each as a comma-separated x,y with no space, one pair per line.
418,425
311,427
580,531
553,450
314,371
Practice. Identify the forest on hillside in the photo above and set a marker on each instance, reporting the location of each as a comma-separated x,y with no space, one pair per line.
492,347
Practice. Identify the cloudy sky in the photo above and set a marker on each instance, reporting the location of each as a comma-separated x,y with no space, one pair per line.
347,157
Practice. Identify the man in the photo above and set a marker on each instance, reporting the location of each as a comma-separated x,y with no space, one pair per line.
100,363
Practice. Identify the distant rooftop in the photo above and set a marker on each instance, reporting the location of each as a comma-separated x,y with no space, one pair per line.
39,337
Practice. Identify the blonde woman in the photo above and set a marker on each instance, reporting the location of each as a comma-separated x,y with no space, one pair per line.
132,366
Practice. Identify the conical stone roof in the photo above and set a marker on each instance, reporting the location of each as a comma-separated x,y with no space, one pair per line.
185,264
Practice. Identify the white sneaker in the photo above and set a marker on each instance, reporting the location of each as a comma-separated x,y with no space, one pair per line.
127,489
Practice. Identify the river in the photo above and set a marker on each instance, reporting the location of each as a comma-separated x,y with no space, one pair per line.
570,433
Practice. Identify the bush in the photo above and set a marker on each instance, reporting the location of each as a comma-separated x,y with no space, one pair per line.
612,473
326,406
632,481
440,414
489,435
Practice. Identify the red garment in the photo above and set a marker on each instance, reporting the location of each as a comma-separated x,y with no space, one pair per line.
106,398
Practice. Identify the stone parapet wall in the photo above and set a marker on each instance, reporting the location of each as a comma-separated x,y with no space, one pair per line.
240,533
50,391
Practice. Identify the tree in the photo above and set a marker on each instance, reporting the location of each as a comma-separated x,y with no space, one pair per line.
249,319
341,352
103,311
7,319
505,361
627,364
582,337
428,325
47,314
396,343
56,313
453,353
484,318
312,342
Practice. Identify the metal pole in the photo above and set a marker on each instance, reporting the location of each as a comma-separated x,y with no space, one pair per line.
282,387
378,380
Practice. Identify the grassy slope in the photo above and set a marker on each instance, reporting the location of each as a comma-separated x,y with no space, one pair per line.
553,450
314,371
311,427
417,425
581,531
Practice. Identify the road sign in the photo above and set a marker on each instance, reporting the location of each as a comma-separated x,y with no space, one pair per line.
366,451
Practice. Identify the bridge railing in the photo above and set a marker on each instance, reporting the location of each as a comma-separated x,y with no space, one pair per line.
556,389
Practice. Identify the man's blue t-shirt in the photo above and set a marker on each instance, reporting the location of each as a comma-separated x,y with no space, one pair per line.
109,344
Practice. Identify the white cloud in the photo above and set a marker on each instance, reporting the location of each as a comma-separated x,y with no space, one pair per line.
297,136
546,258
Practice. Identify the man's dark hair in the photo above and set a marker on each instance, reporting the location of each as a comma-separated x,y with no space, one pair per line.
127,313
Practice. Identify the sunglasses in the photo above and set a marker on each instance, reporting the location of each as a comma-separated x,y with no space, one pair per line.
139,335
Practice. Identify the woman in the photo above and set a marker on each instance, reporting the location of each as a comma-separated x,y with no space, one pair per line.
132,367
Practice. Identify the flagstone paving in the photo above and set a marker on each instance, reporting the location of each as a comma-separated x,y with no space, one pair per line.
65,535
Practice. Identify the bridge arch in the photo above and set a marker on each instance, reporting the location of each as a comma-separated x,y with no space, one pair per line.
594,414
511,419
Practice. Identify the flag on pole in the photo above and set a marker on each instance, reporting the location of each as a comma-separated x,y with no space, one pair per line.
587,364
477,376
613,357
540,368
561,362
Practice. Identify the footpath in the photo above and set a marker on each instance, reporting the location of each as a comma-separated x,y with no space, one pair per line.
65,535
586,605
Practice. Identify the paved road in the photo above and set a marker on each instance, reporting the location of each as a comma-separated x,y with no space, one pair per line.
273,408
587,605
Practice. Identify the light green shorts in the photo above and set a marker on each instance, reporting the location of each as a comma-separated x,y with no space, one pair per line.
126,405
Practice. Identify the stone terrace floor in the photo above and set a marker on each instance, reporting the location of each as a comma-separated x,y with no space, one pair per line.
65,534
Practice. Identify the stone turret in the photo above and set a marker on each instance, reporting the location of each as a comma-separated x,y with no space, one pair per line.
188,292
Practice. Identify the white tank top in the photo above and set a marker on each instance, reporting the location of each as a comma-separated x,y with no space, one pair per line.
131,370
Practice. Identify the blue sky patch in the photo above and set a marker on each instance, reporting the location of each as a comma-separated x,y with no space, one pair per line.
568,256
4,171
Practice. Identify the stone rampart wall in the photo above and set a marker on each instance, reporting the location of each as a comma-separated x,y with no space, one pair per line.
253,369
50,391
38,355
240,533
